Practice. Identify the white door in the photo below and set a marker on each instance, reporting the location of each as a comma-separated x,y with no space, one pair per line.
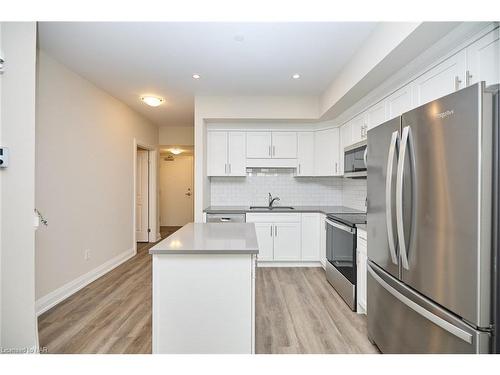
176,191
358,128
305,154
327,152
217,153
259,145
142,196
441,80
345,140
399,102
483,59
236,154
287,241
18,321
311,237
265,235
375,115
284,145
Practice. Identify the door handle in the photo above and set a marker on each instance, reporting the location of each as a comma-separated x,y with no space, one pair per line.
458,81
405,140
188,194
440,322
388,196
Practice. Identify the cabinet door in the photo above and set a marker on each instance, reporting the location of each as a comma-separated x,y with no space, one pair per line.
361,274
358,128
305,154
327,152
483,59
265,234
284,145
441,80
236,154
345,140
216,153
259,145
310,229
322,239
399,102
287,241
375,116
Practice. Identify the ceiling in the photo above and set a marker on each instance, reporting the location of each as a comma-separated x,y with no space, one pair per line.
132,59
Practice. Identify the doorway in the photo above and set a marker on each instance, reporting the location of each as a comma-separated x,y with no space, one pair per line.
176,187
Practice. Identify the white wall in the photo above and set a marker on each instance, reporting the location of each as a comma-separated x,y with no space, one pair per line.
239,107
176,135
17,186
84,175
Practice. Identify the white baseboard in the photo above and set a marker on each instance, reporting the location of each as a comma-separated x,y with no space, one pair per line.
289,264
60,294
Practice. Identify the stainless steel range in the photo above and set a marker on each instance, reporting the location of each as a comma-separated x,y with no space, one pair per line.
341,254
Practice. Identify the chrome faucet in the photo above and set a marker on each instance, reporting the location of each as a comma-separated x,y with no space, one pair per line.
272,200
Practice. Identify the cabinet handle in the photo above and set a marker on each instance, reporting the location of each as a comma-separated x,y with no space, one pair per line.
271,227
299,168
225,168
336,167
468,76
274,151
269,150
276,231
457,83
229,168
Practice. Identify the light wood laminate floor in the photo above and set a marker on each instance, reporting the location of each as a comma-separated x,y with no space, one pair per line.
297,311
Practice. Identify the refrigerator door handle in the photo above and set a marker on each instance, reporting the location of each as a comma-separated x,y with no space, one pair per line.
447,326
388,197
399,197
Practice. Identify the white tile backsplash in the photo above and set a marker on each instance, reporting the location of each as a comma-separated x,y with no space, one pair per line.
298,191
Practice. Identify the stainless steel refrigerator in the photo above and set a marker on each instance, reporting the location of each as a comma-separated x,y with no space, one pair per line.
433,226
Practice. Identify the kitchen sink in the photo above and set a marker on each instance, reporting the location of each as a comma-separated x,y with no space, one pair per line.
275,208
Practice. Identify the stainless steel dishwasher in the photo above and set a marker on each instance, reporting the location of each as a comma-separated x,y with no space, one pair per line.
226,218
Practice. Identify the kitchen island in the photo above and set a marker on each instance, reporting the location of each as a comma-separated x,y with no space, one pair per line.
204,289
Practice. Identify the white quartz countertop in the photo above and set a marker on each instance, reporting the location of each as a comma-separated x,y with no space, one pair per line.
210,238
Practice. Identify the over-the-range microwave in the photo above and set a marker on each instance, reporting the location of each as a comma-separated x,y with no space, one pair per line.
355,160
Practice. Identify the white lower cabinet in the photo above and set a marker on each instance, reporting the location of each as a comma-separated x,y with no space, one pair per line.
310,230
288,237
322,239
361,259
264,233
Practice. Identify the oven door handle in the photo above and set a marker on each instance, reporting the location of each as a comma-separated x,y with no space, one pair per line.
340,226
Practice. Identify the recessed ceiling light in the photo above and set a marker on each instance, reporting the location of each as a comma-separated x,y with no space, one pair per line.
152,101
296,76
196,76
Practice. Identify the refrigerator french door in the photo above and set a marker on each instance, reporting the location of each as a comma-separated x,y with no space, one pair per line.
430,207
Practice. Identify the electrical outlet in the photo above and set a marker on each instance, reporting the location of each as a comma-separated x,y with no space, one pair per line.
87,254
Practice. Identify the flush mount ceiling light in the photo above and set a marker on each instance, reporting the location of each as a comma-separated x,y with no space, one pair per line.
152,101
196,76
296,76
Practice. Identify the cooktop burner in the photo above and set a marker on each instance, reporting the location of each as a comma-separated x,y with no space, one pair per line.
349,219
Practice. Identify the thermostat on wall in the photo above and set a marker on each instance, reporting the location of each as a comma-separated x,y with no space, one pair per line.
4,157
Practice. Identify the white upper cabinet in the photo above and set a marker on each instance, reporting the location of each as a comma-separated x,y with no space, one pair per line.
327,152
376,115
284,145
236,154
399,102
267,145
358,128
259,145
483,59
441,80
345,140
226,153
217,153
305,153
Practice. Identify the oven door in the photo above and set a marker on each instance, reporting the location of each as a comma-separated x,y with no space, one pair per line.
341,260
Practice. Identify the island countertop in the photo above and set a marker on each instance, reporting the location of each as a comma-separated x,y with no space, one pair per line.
210,238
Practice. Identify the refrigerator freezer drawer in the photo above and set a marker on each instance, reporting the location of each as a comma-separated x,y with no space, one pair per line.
402,321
